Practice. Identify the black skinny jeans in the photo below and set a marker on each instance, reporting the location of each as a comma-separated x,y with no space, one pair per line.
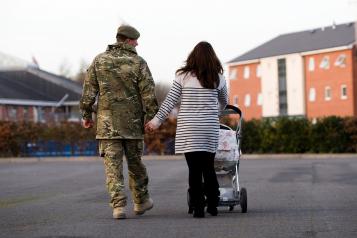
201,165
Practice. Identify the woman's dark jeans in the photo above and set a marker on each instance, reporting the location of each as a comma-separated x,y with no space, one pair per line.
201,165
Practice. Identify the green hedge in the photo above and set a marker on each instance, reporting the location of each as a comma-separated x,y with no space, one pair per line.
13,136
299,135
273,135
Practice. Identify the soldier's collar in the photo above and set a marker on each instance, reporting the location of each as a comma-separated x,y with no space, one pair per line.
122,46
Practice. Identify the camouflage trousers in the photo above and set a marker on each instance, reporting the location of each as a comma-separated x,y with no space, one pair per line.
113,151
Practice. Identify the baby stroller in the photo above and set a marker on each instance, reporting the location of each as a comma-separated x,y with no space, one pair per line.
227,164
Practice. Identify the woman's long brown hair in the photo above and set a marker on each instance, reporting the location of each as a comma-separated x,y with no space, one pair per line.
204,64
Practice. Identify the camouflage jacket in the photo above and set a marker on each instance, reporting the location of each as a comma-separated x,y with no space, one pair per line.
126,93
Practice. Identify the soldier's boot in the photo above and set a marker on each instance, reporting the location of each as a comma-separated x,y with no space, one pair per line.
141,208
119,213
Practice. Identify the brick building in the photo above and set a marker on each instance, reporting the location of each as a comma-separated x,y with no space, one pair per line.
311,73
28,93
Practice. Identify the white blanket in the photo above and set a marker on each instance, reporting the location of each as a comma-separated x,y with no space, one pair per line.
227,146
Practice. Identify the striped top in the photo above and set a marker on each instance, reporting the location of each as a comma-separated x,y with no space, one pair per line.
197,120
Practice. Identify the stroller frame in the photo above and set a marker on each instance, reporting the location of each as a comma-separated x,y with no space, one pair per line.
229,170
233,195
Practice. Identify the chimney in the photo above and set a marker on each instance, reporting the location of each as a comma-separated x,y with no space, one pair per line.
333,25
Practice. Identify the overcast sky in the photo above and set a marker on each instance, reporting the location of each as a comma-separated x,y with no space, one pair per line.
58,31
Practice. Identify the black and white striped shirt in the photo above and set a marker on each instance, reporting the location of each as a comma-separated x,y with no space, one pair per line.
197,120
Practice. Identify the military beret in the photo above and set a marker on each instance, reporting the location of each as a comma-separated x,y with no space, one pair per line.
128,31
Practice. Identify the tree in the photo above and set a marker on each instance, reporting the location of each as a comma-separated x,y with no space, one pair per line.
81,74
161,90
65,68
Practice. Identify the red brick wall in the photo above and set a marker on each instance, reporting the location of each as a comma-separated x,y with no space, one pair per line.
31,114
49,115
333,77
354,56
2,113
241,86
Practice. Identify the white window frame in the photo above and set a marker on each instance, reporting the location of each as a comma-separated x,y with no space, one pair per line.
247,100
260,99
343,92
233,74
311,64
235,100
341,61
325,62
328,93
259,71
246,72
312,95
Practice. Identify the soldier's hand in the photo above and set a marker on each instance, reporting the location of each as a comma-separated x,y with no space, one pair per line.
87,123
149,128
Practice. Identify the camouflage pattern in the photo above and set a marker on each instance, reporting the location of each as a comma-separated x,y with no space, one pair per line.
126,93
113,151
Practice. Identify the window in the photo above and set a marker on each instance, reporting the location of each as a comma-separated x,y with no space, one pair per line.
343,92
341,61
26,113
246,72
247,100
12,111
325,62
311,64
327,93
260,99
259,71
235,100
312,95
40,114
233,74
283,93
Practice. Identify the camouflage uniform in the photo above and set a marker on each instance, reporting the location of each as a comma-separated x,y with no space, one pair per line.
126,99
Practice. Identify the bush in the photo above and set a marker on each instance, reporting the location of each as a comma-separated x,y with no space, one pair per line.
251,136
15,137
298,135
271,135
328,135
350,125
162,141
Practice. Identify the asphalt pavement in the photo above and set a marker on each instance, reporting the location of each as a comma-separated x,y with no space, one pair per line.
286,198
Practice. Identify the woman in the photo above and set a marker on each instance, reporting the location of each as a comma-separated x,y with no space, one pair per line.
201,87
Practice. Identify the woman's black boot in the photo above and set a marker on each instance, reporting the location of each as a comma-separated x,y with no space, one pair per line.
212,210
199,212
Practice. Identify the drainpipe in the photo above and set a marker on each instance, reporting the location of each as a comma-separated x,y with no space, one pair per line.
60,102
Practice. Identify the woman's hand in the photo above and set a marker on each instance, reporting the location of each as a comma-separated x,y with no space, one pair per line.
150,127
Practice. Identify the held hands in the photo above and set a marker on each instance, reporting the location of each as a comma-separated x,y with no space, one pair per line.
150,127
87,123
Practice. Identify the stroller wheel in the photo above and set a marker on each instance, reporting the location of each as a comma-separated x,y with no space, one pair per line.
231,207
243,200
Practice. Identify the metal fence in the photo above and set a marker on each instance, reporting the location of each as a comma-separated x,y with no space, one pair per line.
56,148
53,148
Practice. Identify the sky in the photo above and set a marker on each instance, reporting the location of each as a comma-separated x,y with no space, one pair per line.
67,32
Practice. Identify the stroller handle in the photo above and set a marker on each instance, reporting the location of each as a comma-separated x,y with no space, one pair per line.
229,108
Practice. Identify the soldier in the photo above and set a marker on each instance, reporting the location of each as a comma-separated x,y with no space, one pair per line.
126,99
